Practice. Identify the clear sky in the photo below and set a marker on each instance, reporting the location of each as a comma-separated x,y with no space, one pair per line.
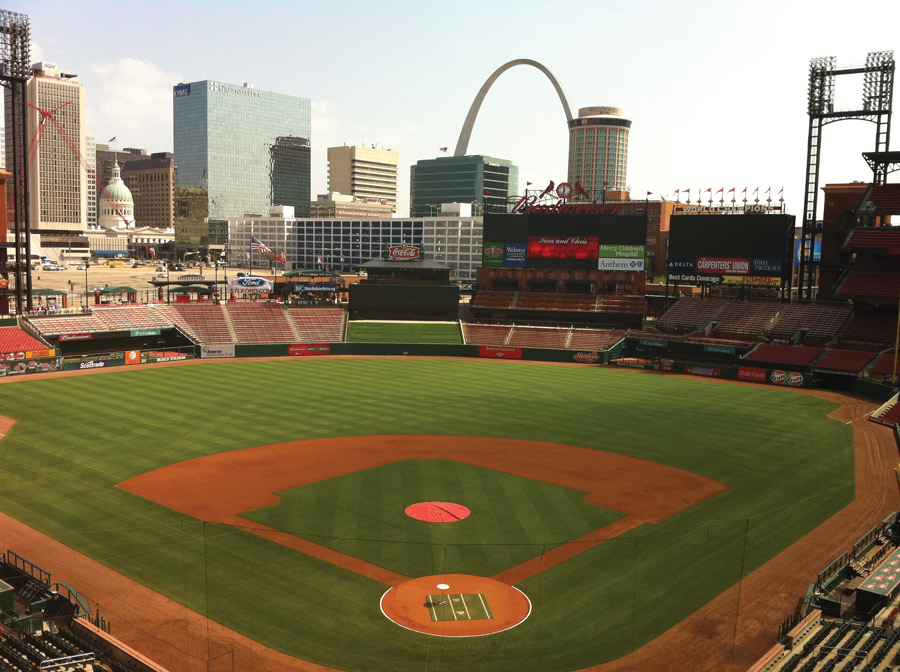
716,90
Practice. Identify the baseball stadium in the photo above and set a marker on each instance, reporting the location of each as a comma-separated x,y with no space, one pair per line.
604,479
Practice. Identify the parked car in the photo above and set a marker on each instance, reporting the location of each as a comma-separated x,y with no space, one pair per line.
163,274
82,267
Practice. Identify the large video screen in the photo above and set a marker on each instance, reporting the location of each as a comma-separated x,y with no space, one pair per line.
730,249
565,241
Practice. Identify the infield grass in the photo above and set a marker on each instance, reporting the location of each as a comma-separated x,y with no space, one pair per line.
788,465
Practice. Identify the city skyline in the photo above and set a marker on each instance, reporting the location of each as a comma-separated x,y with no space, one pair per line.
725,111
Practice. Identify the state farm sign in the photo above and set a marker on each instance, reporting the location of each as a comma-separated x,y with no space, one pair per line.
403,251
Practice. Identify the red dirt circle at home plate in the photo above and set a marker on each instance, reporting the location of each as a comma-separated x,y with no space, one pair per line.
437,512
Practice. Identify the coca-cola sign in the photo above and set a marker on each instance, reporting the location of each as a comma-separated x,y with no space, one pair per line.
403,251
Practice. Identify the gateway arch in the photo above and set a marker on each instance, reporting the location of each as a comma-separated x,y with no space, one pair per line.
462,144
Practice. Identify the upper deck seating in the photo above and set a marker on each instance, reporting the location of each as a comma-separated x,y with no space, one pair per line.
206,323
748,317
871,329
74,324
120,318
486,298
849,361
870,283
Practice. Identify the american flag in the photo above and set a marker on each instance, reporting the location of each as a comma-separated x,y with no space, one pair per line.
257,246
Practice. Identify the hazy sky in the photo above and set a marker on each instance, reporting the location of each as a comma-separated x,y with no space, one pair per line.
716,90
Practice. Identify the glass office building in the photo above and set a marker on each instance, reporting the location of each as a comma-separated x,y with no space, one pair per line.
483,181
248,148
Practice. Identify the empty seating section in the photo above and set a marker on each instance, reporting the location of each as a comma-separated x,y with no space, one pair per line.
794,355
319,325
622,303
821,319
552,301
749,317
538,337
205,323
486,334
849,361
874,237
892,417
594,339
885,364
871,329
259,322
493,299
689,313
13,339
131,317
869,283
886,198
78,324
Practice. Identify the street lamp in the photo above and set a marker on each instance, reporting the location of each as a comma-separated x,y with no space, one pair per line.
431,207
85,286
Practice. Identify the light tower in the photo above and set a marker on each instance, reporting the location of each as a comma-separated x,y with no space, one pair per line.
878,88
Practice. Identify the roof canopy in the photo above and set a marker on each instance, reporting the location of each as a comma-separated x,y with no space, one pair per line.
310,273
187,289
48,292
118,290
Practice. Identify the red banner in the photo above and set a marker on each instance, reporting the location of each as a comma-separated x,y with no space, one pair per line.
499,352
563,247
304,350
751,374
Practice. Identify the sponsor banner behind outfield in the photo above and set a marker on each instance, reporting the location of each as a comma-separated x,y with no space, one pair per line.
635,265
307,349
499,352
751,374
75,337
622,251
145,332
516,255
217,351
492,255
791,378
586,357
28,366
563,247
707,371
724,266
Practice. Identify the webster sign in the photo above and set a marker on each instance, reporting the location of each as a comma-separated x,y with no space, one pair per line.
403,251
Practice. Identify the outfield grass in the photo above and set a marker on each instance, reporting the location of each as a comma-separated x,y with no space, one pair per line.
789,468
403,332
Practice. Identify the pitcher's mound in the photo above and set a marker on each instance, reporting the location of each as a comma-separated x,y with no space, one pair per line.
455,605
437,512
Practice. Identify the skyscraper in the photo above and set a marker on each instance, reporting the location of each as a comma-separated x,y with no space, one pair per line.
483,181
248,148
57,180
366,173
598,150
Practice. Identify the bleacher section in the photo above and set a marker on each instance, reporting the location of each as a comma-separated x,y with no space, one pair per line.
318,325
78,324
885,198
205,323
878,237
13,339
622,303
785,355
131,317
552,301
559,302
884,365
538,337
689,313
594,339
870,329
493,299
486,334
872,284
823,320
261,322
747,317
844,361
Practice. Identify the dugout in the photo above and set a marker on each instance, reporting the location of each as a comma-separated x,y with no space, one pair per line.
416,289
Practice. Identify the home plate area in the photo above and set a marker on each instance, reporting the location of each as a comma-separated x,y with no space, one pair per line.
458,607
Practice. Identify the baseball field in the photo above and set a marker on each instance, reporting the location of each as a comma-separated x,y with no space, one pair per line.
271,497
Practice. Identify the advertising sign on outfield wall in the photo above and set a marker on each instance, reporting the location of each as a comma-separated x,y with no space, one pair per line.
27,366
499,352
586,357
707,371
305,349
792,378
751,374
216,351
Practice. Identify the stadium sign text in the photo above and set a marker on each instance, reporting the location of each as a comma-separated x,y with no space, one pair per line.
93,364
76,337
403,251
528,205
586,357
